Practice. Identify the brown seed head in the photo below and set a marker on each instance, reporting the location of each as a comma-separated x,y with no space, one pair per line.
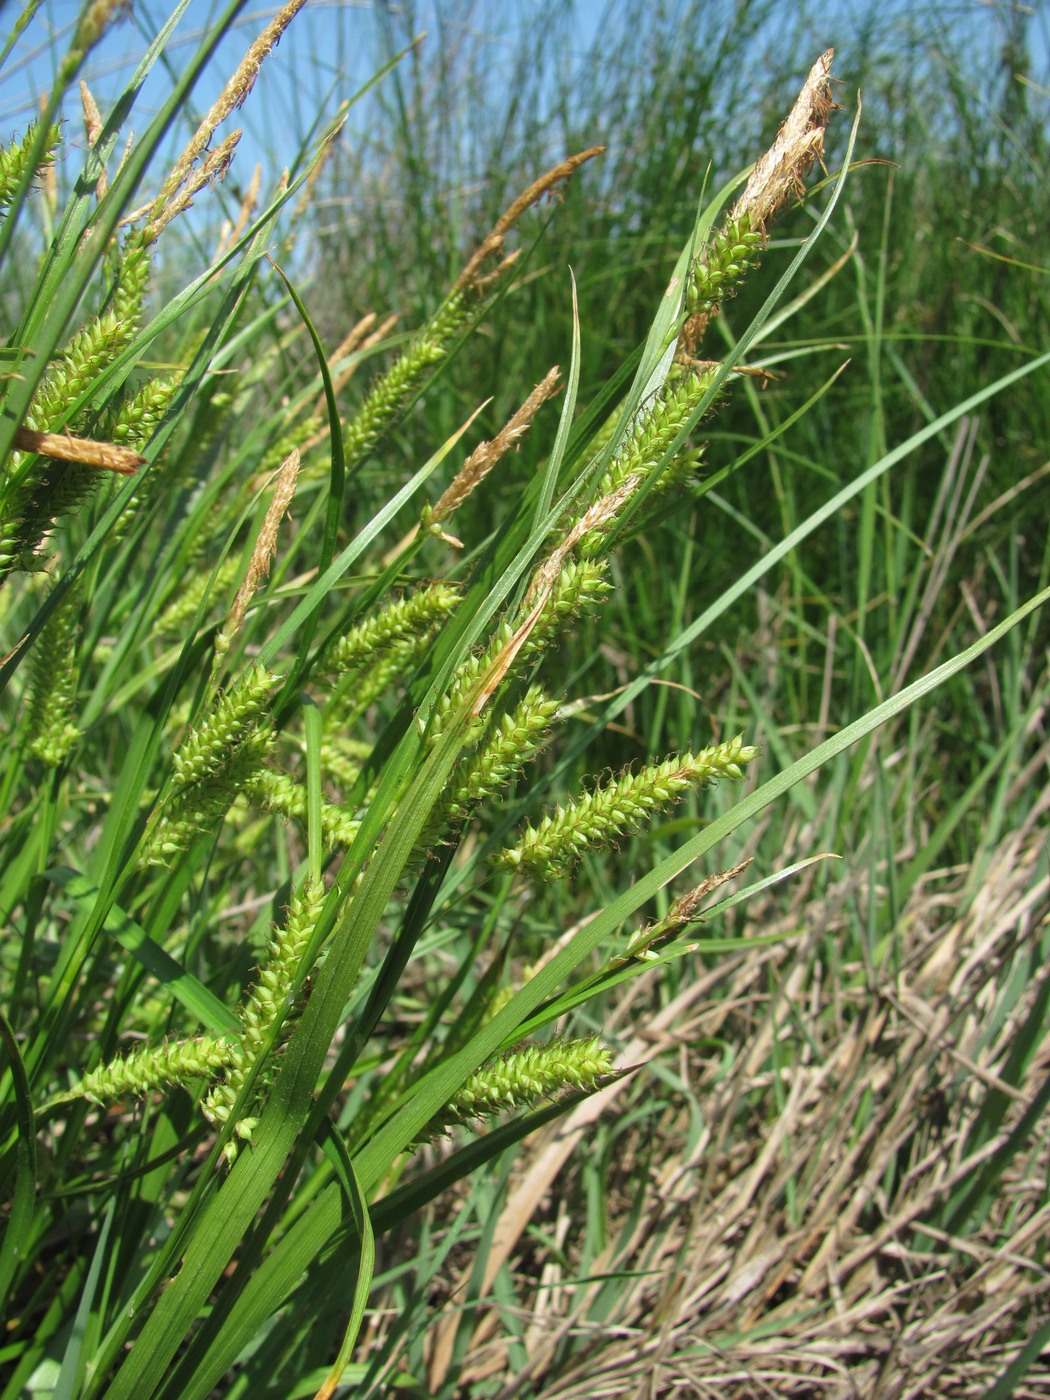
265,548
487,454
492,245
800,141
64,447
232,95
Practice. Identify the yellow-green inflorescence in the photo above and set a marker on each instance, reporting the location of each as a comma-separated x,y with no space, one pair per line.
157,1067
40,491
722,264
133,423
212,765
377,650
580,587
514,739
342,757
647,441
131,272
207,1057
269,999
54,676
524,1076
657,424
91,350
598,818
277,792
15,159
394,391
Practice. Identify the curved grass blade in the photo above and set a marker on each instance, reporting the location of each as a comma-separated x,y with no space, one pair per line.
67,1386
561,441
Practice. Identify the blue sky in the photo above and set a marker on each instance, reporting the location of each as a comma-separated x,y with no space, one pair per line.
331,49
334,46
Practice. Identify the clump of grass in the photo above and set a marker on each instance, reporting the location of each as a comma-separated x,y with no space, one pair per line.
282,753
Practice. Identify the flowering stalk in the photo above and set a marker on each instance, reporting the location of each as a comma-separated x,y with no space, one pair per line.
780,172
646,443
599,817
392,394
94,20
156,1067
409,620
263,552
134,421
474,291
724,262
233,95
484,458
15,159
267,1001
514,740
578,588
523,1076
55,674
213,764
341,759
376,652
41,489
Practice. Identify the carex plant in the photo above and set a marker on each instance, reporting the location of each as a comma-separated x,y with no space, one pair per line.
258,737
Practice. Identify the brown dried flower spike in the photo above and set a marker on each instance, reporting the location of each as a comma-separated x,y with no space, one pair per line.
800,141
64,447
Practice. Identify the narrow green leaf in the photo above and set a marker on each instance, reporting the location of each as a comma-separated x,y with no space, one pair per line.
366,1257
67,1386
23,1197
568,409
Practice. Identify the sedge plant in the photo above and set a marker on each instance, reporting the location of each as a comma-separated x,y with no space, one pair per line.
260,749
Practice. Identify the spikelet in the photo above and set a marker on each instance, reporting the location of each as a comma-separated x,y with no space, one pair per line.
278,793
157,1067
485,456
268,999
411,619
54,675
575,591
474,290
723,264
41,492
598,818
515,739
684,911
646,442
262,553
780,172
524,1076
15,159
95,19
212,765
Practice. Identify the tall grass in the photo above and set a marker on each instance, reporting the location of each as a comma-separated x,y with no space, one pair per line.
334,948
